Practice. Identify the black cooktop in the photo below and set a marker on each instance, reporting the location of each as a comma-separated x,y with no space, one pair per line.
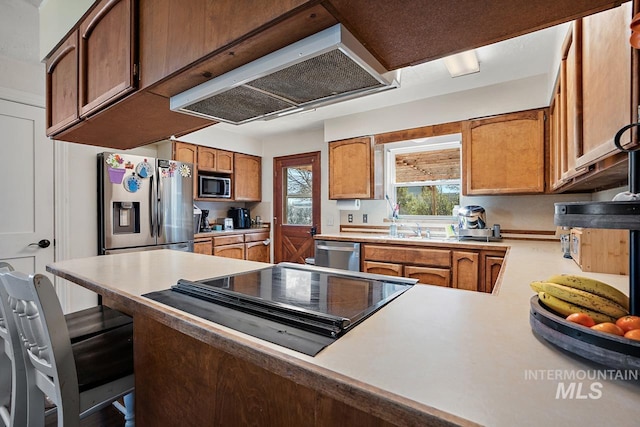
294,302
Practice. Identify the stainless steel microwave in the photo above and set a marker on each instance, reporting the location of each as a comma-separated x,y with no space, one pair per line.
215,187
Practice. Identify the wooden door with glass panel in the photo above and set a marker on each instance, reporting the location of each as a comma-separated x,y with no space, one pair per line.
296,192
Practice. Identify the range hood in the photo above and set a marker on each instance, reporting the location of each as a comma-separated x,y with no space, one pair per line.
322,69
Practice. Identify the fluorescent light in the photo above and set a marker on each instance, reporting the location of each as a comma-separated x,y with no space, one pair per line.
462,63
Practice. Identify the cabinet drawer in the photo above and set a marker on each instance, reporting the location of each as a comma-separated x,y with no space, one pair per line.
408,255
256,237
386,268
429,275
228,240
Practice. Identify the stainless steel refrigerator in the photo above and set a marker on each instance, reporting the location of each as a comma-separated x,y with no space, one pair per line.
144,203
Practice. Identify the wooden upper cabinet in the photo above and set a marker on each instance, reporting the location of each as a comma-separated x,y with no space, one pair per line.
355,169
185,152
606,81
214,160
504,154
62,86
107,53
247,178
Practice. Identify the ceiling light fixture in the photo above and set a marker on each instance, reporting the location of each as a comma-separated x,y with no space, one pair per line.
462,63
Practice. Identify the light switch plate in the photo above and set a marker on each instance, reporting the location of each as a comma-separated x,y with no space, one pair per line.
350,218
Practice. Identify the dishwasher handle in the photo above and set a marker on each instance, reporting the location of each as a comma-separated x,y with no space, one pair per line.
336,248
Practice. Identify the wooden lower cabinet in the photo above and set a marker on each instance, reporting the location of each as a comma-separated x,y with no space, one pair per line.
491,265
471,269
252,246
465,267
203,246
385,268
230,251
429,275
257,251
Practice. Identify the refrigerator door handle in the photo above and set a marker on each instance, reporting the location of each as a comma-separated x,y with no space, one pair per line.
160,206
152,206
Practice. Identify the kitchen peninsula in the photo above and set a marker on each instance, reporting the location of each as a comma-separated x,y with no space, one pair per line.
433,356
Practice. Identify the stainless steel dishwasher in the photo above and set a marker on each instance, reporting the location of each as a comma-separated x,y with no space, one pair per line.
342,255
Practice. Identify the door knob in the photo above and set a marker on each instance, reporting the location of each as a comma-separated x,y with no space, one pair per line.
44,243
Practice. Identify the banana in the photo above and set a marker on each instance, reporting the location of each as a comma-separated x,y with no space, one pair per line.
593,286
566,308
584,299
536,286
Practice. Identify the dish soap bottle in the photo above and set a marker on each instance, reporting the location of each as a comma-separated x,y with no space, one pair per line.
393,228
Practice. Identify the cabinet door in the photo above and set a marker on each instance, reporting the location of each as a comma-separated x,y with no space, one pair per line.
62,86
224,161
429,275
258,251
207,158
230,251
492,266
465,266
247,177
351,174
504,154
107,55
203,247
385,268
606,95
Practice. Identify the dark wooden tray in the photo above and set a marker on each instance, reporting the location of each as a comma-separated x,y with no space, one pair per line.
609,350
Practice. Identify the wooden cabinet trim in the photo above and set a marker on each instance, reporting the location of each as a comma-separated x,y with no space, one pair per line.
256,237
228,240
429,275
385,268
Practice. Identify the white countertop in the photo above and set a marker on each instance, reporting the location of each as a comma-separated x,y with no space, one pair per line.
468,354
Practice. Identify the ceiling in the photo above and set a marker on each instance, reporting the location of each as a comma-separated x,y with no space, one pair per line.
525,56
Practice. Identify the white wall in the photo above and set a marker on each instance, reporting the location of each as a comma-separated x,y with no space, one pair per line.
57,17
516,95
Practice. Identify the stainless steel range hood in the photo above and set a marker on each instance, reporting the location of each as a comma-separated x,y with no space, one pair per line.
322,69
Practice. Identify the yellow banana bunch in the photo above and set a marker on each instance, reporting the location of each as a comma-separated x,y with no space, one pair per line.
592,286
582,298
566,308
568,294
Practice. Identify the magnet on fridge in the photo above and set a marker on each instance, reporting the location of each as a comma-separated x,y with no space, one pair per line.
132,183
144,169
185,171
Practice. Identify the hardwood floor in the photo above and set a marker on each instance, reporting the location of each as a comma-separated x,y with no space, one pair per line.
108,417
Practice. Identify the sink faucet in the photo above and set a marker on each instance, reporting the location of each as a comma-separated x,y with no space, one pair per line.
418,231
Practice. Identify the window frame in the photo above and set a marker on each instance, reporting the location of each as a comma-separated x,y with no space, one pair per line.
420,145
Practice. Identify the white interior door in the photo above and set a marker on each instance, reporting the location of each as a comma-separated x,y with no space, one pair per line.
26,188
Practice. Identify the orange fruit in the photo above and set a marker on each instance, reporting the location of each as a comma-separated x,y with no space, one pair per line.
608,327
628,323
582,319
633,334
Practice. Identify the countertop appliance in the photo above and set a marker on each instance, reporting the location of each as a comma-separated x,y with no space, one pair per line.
472,224
241,217
214,187
340,255
204,221
144,203
301,307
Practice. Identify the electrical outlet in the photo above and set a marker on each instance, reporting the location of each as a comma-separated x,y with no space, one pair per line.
365,218
350,218
330,220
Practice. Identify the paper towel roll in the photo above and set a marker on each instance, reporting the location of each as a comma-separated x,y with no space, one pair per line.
349,205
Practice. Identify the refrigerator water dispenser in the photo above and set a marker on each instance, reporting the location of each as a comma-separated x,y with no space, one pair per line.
126,217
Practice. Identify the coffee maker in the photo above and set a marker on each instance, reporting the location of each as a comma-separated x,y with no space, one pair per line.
204,221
